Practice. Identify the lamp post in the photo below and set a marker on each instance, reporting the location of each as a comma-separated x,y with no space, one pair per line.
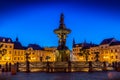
8,65
41,59
27,62
48,65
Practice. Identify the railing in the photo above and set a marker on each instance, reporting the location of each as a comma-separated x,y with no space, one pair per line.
73,66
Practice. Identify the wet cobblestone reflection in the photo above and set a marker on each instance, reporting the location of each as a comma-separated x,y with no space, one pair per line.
110,75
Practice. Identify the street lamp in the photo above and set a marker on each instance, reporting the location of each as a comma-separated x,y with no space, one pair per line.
27,62
41,59
47,58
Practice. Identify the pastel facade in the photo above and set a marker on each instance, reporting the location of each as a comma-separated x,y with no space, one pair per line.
15,52
108,49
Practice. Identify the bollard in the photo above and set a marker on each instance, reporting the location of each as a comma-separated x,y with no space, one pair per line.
9,68
90,67
114,64
104,66
69,66
27,67
6,67
13,69
118,67
48,67
17,66
3,70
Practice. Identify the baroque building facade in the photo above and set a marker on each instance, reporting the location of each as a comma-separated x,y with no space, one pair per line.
13,52
107,51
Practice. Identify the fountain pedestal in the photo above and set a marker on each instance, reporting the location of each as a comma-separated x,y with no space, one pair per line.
62,54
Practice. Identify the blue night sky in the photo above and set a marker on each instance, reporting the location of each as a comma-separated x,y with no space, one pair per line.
33,21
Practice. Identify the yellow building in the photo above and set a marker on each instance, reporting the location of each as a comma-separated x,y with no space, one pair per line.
108,50
13,52
76,50
6,50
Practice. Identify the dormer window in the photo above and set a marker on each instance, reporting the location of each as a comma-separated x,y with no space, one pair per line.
8,40
30,48
3,40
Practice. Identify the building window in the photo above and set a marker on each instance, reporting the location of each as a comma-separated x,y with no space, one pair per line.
9,52
92,58
111,51
5,46
15,52
111,57
116,57
106,51
18,53
9,40
21,53
115,50
3,40
10,46
15,58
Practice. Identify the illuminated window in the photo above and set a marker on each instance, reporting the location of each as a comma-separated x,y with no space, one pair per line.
18,53
9,52
15,58
9,40
21,53
111,51
15,52
3,40
106,51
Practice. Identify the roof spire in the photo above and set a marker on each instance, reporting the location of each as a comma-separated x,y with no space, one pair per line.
84,43
62,25
73,41
62,18
17,39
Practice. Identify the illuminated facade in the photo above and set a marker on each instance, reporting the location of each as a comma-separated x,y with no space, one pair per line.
63,53
15,52
108,50
12,52
76,50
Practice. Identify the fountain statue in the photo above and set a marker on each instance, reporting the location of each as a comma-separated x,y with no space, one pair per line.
62,52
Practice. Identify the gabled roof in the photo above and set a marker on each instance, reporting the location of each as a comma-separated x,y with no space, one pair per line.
35,47
79,45
88,45
107,41
115,43
85,45
18,45
6,39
